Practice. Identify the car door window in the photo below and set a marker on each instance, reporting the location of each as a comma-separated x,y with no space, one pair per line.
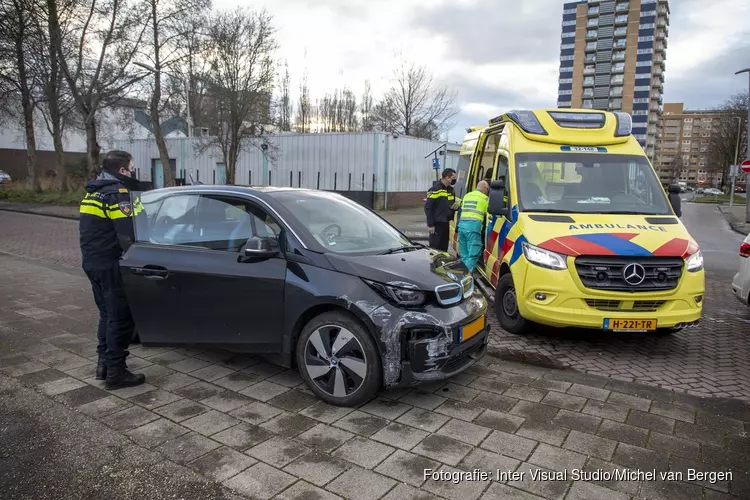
174,223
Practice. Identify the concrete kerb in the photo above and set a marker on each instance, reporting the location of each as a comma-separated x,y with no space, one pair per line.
47,211
738,227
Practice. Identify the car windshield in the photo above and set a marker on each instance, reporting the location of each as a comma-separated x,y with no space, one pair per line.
340,225
598,183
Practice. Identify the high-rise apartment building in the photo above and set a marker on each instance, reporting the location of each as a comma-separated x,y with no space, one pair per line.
612,57
682,153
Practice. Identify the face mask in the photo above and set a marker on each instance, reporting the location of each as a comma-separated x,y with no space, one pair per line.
453,182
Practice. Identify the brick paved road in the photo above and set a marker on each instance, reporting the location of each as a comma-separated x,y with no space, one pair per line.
256,429
710,360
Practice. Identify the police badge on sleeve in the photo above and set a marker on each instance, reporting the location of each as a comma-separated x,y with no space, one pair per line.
125,207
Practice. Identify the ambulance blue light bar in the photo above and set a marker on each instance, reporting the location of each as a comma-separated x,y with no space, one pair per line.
624,124
525,119
578,120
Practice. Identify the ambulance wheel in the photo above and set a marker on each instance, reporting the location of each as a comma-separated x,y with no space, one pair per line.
506,307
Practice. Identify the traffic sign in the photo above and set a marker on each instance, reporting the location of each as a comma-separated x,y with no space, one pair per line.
436,163
745,166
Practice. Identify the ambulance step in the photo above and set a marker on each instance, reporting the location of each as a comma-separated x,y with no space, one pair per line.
480,283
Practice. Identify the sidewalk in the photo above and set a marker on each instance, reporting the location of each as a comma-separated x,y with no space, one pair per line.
736,217
41,209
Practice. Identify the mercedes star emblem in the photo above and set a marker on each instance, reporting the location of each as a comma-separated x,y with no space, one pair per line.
634,274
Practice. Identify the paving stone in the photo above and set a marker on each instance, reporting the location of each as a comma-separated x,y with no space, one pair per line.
406,492
670,444
181,410
256,413
548,489
463,431
364,452
623,433
535,411
326,413
287,378
61,386
483,384
240,361
682,465
407,467
175,381
278,451
361,423
595,465
672,411
639,458
400,435
488,461
242,436
317,468
423,419
386,408
104,406
542,431
82,395
131,392
237,381
155,399
23,368
651,421
716,421
498,491
129,418
458,392
699,433
526,393
591,445
459,409
155,372
395,393
589,392
577,421
468,490
361,484
557,459
422,399
566,401
509,445
226,401
606,410
443,449
260,482
214,355
499,421
628,400
210,423
324,437
494,402
199,391
157,432
294,400
587,491
289,424
212,373
264,391
41,377
263,369
740,444
302,490
188,365
669,490
222,463
167,357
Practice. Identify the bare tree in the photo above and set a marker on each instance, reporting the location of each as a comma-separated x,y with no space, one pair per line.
304,107
16,77
416,104
365,108
675,168
723,145
284,120
240,78
109,34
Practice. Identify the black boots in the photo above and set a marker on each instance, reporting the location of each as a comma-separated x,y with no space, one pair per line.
119,377
101,367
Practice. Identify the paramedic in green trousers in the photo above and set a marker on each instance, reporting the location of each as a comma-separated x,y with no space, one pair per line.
473,214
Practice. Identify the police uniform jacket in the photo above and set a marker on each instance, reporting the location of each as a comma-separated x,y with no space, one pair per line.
440,199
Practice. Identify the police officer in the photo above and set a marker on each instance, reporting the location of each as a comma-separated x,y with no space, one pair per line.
106,230
473,214
440,207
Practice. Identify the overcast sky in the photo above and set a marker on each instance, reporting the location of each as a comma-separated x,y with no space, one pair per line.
498,54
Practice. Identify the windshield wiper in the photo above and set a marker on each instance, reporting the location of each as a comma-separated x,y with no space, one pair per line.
401,249
628,212
553,211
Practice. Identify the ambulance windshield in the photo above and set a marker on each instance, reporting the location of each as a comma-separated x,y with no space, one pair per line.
588,183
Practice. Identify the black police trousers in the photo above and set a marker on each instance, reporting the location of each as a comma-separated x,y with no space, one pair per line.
115,321
439,239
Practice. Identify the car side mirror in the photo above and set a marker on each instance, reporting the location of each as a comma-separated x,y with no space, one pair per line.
675,188
260,247
498,199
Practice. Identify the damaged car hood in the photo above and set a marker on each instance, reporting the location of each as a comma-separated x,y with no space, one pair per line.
424,268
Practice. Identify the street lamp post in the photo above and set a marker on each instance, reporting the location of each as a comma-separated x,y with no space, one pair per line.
736,159
747,154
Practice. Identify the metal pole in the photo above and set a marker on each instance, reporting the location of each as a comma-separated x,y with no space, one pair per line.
190,128
747,154
736,162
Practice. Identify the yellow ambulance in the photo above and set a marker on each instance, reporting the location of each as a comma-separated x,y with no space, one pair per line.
580,231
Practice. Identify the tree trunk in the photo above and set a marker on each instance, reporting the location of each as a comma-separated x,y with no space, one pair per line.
28,115
92,146
53,94
169,175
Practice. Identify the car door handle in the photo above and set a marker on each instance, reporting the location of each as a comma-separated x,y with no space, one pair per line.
151,272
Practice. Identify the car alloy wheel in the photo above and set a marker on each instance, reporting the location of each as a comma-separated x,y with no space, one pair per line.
335,361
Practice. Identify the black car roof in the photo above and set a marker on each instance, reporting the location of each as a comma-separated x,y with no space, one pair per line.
260,191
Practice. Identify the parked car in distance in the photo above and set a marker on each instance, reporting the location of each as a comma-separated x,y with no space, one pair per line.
4,177
741,281
311,276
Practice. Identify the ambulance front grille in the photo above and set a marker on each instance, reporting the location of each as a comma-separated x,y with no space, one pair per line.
607,273
616,305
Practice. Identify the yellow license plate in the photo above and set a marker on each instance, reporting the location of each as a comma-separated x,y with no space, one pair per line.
630,325
468,331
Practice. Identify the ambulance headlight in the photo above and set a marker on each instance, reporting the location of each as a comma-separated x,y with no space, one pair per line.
624,124
544,258
694,263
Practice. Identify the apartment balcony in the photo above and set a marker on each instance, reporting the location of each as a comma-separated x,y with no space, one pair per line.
591,47
660,47
662,23
661,34
619,44
589,71
590,58
620,32
592,35
593,11
588,82
618,68
593,23
620,56
620,20
622,7
658,72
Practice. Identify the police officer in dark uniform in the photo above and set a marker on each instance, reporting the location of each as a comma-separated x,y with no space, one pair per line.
106,231
440,208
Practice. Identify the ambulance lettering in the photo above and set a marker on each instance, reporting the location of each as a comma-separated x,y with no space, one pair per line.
579,227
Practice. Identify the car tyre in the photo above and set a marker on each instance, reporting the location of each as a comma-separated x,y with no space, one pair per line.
349,371
506,307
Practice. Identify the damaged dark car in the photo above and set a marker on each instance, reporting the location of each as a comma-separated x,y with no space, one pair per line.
311,276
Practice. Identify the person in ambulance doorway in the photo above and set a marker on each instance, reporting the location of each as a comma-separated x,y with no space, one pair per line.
106,231
470,224
440,208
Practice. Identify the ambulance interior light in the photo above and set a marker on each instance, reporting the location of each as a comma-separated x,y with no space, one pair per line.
624,124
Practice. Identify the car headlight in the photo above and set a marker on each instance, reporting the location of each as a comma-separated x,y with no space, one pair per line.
695,262
402,295
544,258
